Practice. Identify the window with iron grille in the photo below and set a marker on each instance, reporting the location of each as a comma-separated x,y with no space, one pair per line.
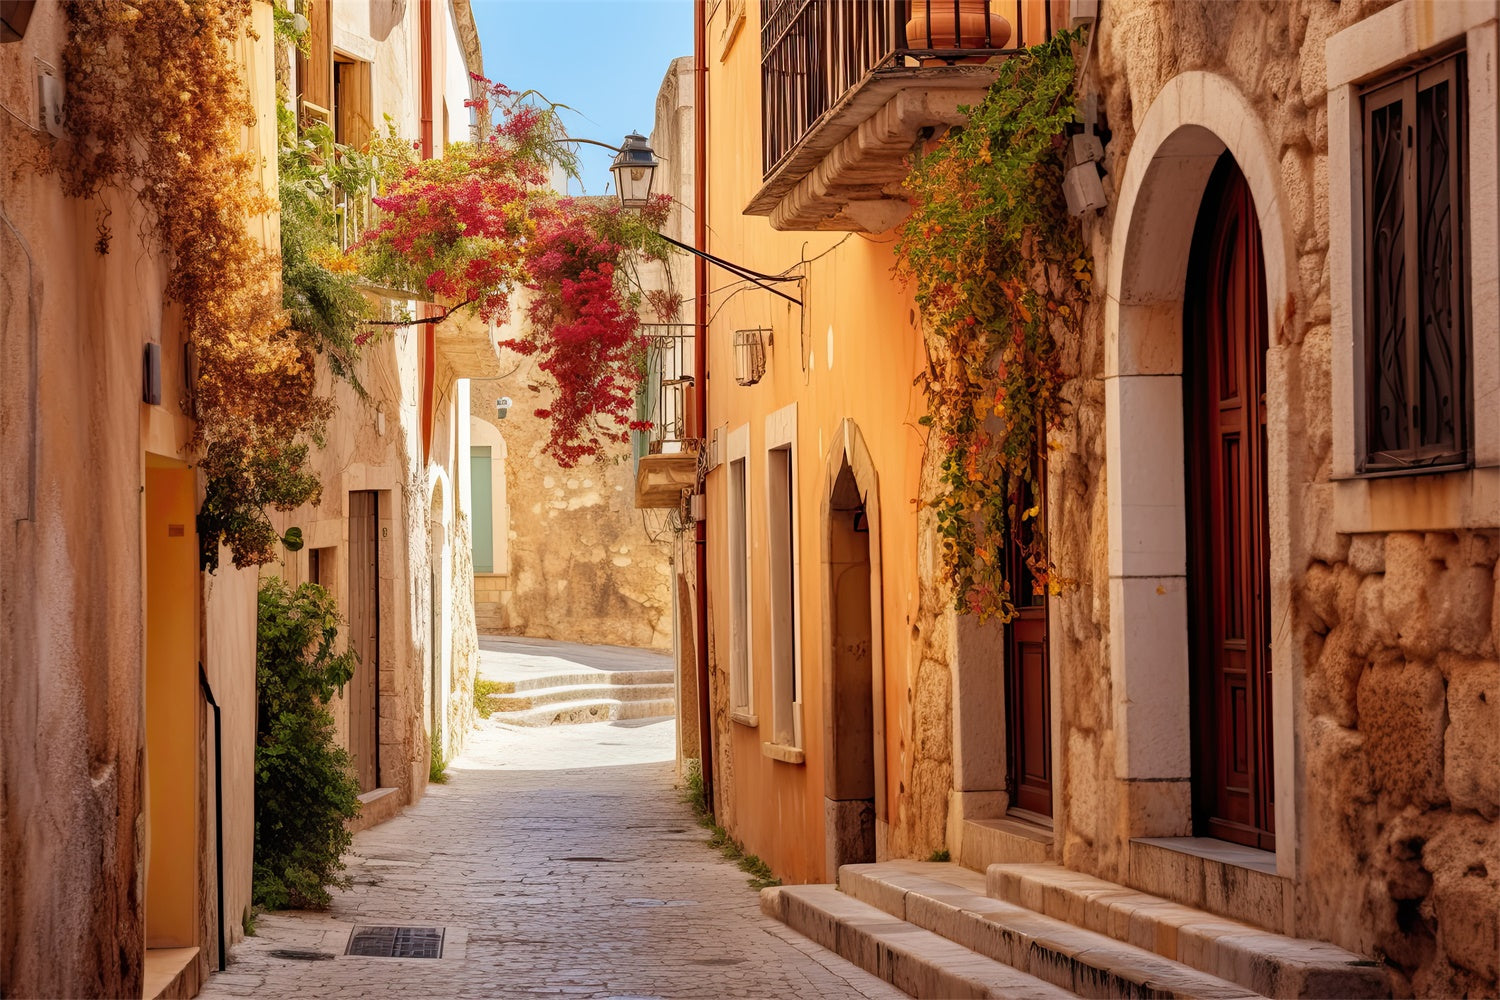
1417,412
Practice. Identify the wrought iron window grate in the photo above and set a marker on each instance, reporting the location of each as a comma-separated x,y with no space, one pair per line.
1416,302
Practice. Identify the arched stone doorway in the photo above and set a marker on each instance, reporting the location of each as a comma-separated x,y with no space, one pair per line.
1194,122
854,665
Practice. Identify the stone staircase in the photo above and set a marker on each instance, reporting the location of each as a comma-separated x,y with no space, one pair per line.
1041,930
565,698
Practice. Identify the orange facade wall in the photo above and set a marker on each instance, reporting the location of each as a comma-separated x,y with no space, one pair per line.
852,351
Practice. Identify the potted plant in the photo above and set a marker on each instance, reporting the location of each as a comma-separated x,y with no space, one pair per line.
955,24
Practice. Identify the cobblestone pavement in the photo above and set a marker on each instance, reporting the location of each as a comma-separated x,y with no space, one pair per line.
562,864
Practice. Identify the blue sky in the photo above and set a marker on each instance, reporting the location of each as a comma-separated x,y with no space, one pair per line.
604,58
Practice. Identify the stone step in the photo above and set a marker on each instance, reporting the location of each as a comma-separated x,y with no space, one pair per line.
949,900
538,697
583,677
1268,963
914,960
569,713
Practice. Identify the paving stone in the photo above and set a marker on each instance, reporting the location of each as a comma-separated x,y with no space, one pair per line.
495,853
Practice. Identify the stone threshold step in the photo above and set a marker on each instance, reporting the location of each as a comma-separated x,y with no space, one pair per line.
515,685
580,692
949,900
1269,963
911,959
595,710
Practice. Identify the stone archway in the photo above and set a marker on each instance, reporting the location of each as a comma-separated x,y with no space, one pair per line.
1195,119
853,654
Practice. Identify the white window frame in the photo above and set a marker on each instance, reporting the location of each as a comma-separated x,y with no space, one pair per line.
741,607
786,677
1360,54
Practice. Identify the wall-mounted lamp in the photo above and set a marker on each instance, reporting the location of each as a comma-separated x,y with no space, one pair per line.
750,355
1082,186
634,168
502,407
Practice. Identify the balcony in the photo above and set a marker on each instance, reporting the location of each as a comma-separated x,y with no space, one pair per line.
666,458
846,96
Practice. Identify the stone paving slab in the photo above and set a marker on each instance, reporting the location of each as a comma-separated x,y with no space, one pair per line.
565,864
506,657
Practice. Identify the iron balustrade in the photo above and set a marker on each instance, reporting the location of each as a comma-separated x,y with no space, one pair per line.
663,397
814,52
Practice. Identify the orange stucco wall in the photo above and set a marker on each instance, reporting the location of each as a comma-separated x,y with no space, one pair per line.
852,351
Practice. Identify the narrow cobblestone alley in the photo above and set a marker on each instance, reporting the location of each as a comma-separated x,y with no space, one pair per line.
562,863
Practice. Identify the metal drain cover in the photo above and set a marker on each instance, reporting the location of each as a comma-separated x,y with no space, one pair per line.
396,942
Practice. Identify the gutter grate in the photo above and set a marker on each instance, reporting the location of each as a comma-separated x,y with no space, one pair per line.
396,942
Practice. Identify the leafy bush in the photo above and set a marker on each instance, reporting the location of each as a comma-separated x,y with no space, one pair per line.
305,787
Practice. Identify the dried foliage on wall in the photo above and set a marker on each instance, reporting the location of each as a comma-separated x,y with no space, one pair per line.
1001,276
157,105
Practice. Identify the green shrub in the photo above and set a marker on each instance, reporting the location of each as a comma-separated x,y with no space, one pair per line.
437,767
482,691
305,787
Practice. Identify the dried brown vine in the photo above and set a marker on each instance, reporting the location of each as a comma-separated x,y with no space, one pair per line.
156,105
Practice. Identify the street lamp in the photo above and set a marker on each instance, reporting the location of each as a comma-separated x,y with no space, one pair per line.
634,168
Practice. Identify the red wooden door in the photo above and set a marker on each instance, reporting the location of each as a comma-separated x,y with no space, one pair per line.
1228,578
1028,685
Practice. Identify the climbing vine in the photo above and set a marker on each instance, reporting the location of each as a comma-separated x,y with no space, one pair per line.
1001,276
156,106
480,223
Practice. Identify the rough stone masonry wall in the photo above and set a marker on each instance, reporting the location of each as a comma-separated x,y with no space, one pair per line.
582,566
1399,851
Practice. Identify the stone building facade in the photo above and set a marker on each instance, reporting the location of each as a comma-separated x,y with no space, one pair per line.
114,647
390,536
1346,791
128,673
573,558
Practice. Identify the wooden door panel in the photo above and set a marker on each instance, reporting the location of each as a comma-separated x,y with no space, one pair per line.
364,636
1028,685
1224,352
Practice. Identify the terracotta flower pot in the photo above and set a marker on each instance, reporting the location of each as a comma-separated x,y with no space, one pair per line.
970,24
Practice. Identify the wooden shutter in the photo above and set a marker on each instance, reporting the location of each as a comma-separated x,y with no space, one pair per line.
315,68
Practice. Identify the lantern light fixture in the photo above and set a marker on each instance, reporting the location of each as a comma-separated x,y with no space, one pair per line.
750,355
634,167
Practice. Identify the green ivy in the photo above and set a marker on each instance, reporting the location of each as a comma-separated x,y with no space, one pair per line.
1001,275
305,789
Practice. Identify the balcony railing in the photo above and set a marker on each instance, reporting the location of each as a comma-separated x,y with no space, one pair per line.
663,394
666,458
815,52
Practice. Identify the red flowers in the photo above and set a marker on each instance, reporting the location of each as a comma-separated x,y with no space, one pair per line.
479,223
584,328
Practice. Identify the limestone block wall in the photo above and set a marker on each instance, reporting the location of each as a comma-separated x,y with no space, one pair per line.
583,566
1388,638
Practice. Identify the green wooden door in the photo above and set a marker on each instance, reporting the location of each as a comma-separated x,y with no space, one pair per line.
484,519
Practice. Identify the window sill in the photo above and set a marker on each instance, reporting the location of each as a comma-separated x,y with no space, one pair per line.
745,719
783,753
1447,501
